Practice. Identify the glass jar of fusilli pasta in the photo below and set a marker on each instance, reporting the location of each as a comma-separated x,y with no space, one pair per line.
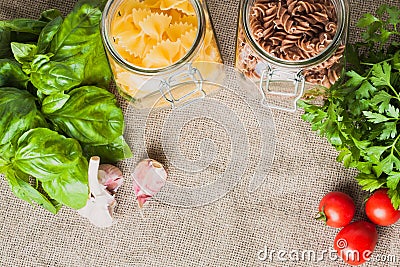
292,48
157,38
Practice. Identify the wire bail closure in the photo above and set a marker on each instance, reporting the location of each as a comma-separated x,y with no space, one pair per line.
190,76
265,81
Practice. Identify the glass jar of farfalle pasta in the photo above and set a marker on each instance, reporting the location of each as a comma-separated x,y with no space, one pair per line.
157,38
292,48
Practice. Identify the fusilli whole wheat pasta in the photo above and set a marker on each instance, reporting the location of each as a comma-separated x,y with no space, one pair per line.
293,30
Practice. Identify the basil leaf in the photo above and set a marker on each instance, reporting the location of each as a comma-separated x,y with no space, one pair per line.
91,115
18,114
49,15
23,53
110,153
23,25
54,102
11,74
45,154
77,32
19,183
54,77
57,162
70,188
47,34
97,69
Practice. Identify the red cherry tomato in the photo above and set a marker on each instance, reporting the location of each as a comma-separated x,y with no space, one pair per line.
356,242
336,209
379,209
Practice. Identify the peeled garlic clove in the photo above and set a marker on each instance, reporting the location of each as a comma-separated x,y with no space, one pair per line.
149,177
111,177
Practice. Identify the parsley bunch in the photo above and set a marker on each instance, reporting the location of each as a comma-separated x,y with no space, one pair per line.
361,116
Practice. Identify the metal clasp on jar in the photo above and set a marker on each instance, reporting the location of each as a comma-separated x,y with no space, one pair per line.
186,77
269,74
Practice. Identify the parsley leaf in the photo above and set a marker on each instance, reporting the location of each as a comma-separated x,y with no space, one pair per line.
383,99
389,131
393,180
375,117
365,90
355,79
395,198
381,74
369,182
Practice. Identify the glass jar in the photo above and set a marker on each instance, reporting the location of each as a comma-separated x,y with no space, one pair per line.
154,38
292,48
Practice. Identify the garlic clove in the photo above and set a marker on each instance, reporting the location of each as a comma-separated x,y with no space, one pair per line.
149,177
100,206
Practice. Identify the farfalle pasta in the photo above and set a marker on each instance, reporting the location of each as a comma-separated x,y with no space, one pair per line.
163,54
175,30
154,34
292,30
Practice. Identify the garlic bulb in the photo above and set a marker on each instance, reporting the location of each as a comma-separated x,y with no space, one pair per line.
103,184
149,177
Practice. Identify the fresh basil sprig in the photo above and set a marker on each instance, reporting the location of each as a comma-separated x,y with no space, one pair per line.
361,117
53,101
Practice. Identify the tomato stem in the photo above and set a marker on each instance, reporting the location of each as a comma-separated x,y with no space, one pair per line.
321,216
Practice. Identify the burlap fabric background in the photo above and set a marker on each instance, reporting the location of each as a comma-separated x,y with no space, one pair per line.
228,232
